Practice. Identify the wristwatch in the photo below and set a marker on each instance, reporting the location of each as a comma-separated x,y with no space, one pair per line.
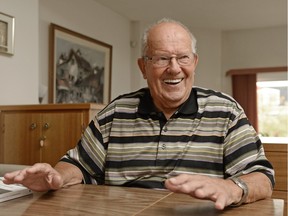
244,187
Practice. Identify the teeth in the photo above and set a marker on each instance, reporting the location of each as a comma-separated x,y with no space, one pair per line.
172,81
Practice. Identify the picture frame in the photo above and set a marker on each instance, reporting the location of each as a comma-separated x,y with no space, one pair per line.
79,68
7,31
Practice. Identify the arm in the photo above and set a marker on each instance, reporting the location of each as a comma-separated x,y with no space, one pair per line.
259,186
70,174
222,192
42,177
242,153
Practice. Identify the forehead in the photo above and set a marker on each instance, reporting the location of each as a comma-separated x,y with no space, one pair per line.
168,36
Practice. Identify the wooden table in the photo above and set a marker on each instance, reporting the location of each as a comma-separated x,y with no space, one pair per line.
111,200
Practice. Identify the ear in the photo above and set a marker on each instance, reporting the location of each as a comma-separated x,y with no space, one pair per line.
196,58
141,65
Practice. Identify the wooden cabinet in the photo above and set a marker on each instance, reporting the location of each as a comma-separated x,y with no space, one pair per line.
277,155
41,133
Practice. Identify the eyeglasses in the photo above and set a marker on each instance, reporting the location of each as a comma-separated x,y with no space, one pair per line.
164,61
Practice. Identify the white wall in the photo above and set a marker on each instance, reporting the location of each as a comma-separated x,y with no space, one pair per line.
137,80
19,72
22,73
208,71
95,21
263,47
28,67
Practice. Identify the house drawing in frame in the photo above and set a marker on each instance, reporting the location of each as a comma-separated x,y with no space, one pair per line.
81,68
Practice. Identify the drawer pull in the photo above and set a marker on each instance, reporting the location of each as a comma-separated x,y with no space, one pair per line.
33,126
41,143
46,126
42,140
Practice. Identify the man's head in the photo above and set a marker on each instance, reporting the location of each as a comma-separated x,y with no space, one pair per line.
168,63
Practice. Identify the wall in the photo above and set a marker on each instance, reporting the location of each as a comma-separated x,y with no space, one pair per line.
95,21
19,72
208,71
218,51
263,47
22,73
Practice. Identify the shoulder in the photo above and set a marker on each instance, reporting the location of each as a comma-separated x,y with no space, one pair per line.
215,99
136,94
125,102
212,94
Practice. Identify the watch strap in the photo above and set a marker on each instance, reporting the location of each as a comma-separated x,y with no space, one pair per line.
240,183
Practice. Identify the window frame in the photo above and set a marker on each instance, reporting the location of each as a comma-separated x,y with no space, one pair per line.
244,89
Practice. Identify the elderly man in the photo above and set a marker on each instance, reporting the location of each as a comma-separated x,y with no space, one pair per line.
170,135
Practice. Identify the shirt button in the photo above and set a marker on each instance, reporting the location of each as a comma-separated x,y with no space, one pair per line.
165,129
163,146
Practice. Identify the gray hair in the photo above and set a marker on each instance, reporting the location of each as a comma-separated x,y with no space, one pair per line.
166,20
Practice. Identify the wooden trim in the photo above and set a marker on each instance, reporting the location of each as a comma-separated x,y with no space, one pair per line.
277,155
83,106
246,71
275,147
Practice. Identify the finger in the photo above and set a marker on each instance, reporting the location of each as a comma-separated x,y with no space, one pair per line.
10,177
220,203
172,184
177,180
55,182
180,186
39,167
18,176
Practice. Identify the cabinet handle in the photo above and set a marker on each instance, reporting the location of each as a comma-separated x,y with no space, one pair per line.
42,140
41,143
33,126
46,125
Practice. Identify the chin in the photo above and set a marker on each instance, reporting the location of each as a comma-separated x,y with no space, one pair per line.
175,97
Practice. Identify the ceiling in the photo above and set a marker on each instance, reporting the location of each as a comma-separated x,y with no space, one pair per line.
215,14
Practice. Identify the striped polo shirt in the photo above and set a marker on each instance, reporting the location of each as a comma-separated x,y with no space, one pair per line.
130,143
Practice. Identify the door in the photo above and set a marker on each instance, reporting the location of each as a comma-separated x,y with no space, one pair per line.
60,132
19,141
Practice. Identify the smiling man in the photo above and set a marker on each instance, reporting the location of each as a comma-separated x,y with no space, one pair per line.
170,135
168,63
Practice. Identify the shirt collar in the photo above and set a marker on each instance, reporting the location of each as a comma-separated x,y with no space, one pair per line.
146,105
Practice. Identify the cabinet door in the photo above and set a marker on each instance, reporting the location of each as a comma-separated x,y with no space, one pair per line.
61,131
19,142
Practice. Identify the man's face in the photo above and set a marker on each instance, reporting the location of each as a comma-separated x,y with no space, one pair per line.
169,85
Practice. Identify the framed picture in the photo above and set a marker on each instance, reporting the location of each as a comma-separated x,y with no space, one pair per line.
7,25
79,68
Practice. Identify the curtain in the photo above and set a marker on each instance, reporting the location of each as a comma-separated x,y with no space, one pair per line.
245,93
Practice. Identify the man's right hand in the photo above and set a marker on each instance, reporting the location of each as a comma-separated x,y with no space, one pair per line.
39,177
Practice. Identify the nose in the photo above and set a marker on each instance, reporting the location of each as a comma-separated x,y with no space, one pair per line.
174,67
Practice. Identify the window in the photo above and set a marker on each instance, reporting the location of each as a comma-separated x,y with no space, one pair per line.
272,105
262,92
